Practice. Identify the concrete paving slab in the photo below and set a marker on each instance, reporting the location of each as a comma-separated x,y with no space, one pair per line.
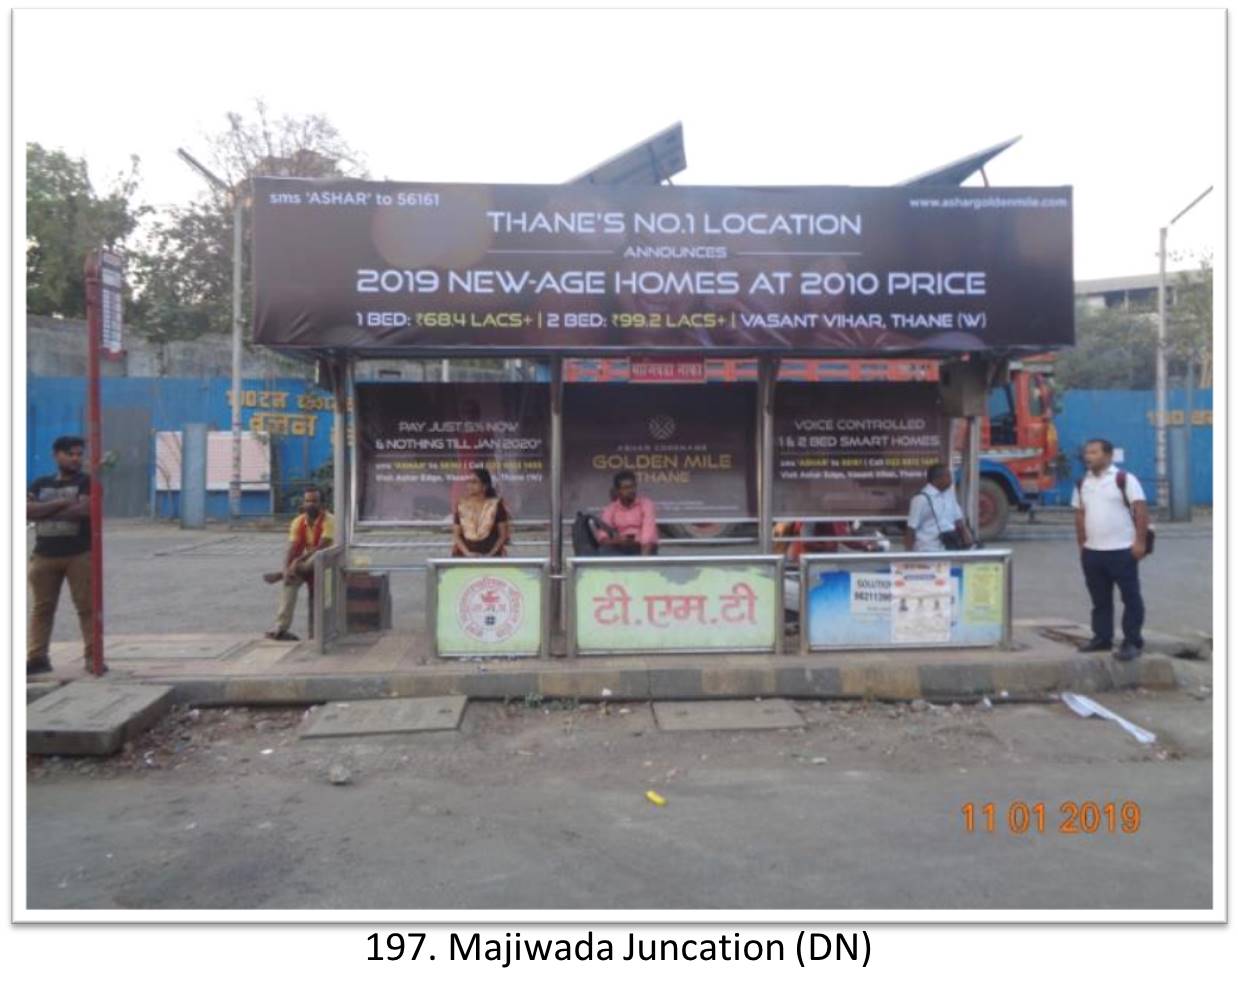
35,690
172,648
768,714
93,717
380,716
264,654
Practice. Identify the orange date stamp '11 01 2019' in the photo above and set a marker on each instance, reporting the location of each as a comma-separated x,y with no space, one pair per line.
1086,817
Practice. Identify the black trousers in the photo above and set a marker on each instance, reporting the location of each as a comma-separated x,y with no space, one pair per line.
1102,569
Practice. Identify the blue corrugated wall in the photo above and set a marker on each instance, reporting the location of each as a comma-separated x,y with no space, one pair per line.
1126,418
56,406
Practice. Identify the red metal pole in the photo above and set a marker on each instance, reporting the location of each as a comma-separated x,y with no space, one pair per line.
94,330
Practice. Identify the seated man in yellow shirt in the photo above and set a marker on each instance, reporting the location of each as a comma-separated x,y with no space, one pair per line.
311,531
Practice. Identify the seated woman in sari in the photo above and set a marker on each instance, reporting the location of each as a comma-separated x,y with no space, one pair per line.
480,526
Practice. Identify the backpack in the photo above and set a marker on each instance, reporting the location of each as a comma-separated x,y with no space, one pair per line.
1121,482
585,531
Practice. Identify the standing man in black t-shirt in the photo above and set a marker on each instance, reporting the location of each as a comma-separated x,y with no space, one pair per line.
59,506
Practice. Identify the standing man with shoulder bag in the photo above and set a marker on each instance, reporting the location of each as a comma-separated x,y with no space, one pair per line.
935,520
1111,525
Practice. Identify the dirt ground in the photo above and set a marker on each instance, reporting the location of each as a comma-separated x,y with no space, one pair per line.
532,805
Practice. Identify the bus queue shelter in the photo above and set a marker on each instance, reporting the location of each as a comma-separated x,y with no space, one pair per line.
347,271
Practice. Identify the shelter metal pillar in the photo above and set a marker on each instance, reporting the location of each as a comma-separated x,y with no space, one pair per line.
341,380
556,481
971,475
964,386
767,374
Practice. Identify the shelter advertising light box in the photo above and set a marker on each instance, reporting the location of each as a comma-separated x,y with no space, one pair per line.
418,267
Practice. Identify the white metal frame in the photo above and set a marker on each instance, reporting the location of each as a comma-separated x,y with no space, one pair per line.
1003,556
777,561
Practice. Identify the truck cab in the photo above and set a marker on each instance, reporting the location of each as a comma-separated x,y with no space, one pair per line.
1019,448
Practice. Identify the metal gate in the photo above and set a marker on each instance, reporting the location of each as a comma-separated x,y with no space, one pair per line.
126,475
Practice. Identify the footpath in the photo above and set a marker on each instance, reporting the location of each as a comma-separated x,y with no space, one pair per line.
73,712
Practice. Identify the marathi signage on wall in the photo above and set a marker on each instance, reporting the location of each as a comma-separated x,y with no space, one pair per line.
419,444
690,447
655,607
906,602
846,449
848,270
489,610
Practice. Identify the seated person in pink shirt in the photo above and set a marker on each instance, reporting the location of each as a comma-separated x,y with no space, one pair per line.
634,529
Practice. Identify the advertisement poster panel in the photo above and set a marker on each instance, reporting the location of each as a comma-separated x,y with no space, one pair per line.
920,603
660,607
488,610
418,443
854,450
387,266
690,447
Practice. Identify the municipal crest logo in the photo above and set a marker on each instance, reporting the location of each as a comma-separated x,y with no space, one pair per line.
490,609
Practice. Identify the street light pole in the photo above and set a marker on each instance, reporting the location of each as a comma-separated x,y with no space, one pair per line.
238,207
1162,373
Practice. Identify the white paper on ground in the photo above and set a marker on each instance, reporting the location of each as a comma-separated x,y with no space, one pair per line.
1081,705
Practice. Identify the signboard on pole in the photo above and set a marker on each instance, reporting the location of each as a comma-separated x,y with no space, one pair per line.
418,445
691,448
111,295
855,449
429,267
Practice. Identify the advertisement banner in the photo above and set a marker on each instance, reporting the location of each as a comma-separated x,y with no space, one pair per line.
690,447
841,270
654,607
418,443
843,449
488,610
907,603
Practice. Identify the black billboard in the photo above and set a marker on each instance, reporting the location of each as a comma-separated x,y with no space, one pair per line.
855,450
418,444
691,447
408,267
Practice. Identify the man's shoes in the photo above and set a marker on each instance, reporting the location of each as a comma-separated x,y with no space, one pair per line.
282,634
89,669
1095,645
271,577
38,665
1128,652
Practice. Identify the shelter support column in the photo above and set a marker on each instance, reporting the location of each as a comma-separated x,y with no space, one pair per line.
767,373
971,474
556,481
339,378
965,386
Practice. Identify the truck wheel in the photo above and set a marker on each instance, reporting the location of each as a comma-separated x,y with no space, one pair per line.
994,509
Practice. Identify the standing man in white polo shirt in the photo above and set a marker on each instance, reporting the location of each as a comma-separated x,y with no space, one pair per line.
1112,529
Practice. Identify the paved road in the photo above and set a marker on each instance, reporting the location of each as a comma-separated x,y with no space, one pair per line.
160,579
545,808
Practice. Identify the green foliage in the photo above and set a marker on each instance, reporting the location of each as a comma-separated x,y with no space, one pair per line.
66,219
187,277
1116,348
1113,349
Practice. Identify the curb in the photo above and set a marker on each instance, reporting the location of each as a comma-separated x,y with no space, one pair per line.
878,679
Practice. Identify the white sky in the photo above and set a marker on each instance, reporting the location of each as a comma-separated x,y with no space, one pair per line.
1127,106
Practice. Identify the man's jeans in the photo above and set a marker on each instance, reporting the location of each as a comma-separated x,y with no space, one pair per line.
47,576
1102,569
